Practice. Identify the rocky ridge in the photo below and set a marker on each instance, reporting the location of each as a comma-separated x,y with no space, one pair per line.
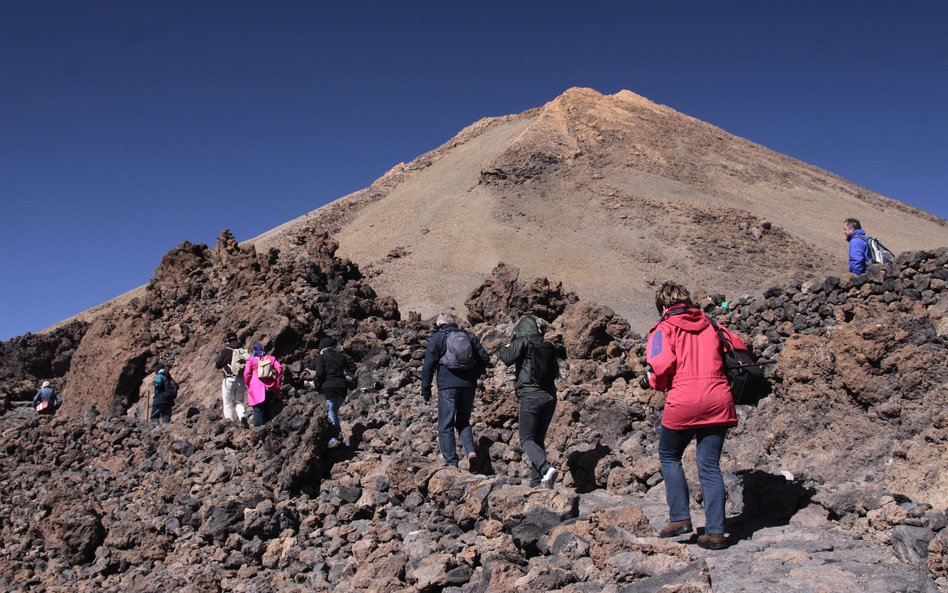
834,481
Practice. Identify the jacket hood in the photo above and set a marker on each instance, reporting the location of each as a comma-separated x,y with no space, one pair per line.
856,233
527,326
689,319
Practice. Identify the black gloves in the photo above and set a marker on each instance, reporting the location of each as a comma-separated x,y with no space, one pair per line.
426,394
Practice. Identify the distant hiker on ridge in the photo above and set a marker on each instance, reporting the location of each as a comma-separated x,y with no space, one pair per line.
334,371
263,376
166,390
232,360
536,370
459,360
685,360
863,249
858,245
47,400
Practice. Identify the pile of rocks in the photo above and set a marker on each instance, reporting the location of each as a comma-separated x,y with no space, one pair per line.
30,359
861,369
844,453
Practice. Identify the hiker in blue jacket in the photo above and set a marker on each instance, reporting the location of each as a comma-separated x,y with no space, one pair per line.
858,246
458,362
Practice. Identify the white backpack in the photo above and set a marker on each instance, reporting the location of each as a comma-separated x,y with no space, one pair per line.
878,254
238,360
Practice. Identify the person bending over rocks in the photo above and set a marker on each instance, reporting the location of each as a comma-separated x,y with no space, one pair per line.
458,359
232,360
333,371
263,376
47,400
536,371
685,360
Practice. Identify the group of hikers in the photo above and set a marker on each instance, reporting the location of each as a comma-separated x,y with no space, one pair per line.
685,358
256,377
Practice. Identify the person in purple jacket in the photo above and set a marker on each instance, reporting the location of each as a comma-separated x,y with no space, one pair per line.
858,245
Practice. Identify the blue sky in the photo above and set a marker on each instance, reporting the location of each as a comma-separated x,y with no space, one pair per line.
128,127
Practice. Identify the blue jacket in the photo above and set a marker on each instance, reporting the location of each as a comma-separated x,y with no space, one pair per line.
447,378
858,251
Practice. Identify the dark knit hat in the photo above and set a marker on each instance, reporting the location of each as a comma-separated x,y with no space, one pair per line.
326,342
231,337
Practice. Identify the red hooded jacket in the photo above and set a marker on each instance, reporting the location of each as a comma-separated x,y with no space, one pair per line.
686,359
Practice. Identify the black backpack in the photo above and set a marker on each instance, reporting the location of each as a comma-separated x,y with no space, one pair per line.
171,388
744,374
544,367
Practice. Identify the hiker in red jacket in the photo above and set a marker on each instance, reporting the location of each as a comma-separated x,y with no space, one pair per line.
685,360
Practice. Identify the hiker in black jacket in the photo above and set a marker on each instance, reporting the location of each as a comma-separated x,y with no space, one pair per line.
457,381
333,370
537,393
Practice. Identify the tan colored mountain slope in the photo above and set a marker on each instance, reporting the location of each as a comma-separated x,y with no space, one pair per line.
609,194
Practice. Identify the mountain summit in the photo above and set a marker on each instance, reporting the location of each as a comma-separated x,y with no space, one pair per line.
610,194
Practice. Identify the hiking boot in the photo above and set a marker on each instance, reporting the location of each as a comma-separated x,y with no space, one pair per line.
676,528
549,478
471,461
715,541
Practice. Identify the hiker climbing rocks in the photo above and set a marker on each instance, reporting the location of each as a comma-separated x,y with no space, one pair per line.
47,400
263,376
858,245
232,360
685,360
536,371
459,360
166,390
334,373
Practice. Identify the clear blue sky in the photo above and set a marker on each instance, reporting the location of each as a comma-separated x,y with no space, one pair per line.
127,127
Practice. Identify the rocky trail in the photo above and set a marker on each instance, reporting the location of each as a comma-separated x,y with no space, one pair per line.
172,510
834,482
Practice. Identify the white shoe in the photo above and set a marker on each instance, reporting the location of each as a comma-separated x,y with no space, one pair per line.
549,478
333,442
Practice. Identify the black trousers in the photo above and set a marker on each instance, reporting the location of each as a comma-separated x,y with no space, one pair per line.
536,413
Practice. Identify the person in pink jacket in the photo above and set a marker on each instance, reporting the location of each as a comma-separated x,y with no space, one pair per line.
685,359
263,376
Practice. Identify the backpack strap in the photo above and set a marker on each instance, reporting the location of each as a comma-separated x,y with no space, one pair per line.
725,345
868,256
678,309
